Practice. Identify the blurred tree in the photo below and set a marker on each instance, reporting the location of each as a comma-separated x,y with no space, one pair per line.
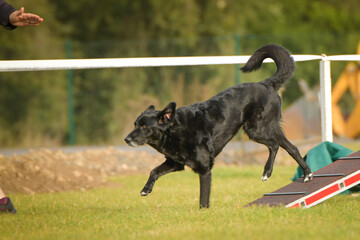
33,104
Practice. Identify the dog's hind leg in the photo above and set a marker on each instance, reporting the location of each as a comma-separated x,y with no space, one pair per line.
268,137
205,186
273,137
273,149
166,167
294,153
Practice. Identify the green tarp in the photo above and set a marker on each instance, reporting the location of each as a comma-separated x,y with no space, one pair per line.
323,155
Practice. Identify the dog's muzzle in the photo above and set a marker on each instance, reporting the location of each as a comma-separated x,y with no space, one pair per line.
130,142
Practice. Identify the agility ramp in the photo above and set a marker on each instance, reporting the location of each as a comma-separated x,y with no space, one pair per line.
327,182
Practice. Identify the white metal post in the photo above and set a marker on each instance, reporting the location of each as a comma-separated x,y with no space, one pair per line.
325,100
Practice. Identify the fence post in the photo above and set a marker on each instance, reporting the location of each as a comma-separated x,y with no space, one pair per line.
70,96
325,100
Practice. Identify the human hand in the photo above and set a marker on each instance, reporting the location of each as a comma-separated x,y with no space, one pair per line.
21,19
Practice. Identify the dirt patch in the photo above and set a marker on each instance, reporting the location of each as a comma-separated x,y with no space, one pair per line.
53,171
47,170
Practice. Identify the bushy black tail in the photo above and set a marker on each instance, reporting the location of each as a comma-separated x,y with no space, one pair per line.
284,63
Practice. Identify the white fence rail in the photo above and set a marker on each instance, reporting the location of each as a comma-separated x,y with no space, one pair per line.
67,64
72,64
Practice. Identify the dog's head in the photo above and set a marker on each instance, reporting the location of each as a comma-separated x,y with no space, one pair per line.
151,124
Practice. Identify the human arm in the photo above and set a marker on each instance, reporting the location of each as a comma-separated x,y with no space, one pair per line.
5,11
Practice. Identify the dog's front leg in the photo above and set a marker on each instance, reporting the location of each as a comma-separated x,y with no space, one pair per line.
205,186
166,167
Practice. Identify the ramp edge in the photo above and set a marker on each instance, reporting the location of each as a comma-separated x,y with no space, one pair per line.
327,192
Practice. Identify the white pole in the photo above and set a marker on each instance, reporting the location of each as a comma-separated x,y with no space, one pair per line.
325,99
67,64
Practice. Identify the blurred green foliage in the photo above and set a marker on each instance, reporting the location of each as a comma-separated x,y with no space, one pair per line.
33,109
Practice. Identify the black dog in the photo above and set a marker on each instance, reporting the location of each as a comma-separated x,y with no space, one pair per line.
194,135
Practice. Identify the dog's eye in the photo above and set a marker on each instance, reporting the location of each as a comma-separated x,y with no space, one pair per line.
143,127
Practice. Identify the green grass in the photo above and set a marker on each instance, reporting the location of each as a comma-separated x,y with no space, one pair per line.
171,211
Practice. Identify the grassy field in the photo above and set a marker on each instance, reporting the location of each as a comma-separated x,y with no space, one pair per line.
171,211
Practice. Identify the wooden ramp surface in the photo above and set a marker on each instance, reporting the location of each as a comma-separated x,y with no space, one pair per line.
327,182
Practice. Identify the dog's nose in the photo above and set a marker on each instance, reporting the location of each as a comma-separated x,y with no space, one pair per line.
127,140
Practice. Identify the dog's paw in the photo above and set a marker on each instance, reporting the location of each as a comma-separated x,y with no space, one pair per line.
143,193
266,174
308,177
264,178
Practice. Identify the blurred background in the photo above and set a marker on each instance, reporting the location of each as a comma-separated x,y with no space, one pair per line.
34,106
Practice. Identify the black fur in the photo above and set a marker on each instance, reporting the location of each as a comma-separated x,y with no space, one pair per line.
194,135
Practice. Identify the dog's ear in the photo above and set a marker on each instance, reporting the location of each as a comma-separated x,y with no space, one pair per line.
150,108
168,113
